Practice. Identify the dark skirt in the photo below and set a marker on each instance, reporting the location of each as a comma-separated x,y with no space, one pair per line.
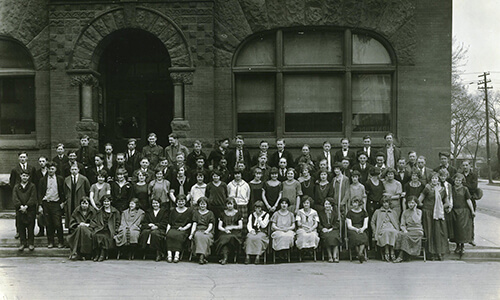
436,233
156,239
103,240
462,225
356,239
330,239
176,239
231,240
80,240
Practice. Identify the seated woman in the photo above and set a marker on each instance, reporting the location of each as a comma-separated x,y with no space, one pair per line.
153,228
462,214
329,230
202,230
130,228
409,239
178,227
307,222
385,228
104,226
80,238
230,226
357,223
283,226
257,240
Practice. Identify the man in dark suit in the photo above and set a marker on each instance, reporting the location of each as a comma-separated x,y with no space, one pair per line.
61,159
402,174
367,148
15,174
132,157
240,153
471,184
328,155
425,173
98,166
51,198
193,155
85,155
76,186
39,174
72,160
444,158
218,153
412,161
344,152
119,164
263,150
109,158
280,153
363,167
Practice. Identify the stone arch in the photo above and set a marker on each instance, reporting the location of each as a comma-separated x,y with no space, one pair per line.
92,41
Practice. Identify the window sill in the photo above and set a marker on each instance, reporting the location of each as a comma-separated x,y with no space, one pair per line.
18,141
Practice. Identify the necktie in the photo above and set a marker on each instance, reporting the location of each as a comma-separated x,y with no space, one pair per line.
240,155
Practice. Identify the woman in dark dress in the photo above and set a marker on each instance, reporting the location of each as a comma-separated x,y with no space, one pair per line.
153,227
121,190
202,230
329,230
140,191
256,186
357,223
307,182
414,187
272,191
374,191
80,238
178,227
230,226
216,193
322,190
434,202
462,214
104,227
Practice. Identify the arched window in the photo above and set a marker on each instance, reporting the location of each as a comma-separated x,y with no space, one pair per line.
17,88
314,81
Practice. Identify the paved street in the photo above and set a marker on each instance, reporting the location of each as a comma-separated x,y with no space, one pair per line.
57,278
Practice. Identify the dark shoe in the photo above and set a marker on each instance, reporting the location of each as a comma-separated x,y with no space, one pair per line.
472,244
102,257
31,247
393,257
40,233
440,257
257,260
457,249
387,258
158,257
21,248
50,246
202,259
247,260
16,236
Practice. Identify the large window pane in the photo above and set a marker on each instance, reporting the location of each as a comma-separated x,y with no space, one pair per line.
14,56
312,47
371,102
17,105
255,96
367,50
313,102
258,52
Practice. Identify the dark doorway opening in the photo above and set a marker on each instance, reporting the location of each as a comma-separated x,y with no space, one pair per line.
138,95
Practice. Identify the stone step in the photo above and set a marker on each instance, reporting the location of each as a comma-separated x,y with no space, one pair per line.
38,252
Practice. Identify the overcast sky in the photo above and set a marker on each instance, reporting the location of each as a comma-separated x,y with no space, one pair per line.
476,23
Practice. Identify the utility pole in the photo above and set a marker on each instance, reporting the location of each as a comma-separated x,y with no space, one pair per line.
485,82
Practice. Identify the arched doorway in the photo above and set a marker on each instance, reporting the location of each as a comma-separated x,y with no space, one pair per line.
138,95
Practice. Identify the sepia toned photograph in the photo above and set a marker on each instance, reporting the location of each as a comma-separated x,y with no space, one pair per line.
249,149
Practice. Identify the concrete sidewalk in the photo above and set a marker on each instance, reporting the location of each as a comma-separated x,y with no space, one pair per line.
487,232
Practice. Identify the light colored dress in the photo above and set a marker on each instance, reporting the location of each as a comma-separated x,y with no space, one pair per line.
257,243
394,188
282,239
291,190
306,220
202,241
357,190
411,241
130,227
99,192
385,226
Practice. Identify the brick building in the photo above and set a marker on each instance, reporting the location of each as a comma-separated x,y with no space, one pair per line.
305,70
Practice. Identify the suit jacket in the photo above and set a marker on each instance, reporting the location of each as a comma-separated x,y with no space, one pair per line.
37,177
364,172
132,161
171,152
396,155
153,154
25,196
15,174
231,159
471,183
215,156
339,155
406,176
427,175
275,159
161,219
92,174
61,163
371,156
451,170
66,169
323,156
86,156
42,188
105,161
82,189
192,157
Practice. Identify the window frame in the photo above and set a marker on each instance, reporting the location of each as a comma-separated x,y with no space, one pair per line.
23,73
345,70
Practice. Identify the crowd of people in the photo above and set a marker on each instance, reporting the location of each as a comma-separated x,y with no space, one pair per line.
172,200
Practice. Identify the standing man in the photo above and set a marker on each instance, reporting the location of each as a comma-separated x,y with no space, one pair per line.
344,152
132,157
39,174
363,167
328,155
402,174
367,148
109,156
15,174
412,161
392,153
174,148
72,160
425,173
61,159
152,151
76,186
444,159
193,156
25,201
263,149
240,153
51,197
85,155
